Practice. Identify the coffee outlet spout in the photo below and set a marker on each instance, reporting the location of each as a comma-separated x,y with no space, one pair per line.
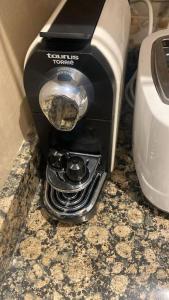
73,78
76,169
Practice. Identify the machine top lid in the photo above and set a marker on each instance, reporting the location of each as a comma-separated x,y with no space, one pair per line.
77,20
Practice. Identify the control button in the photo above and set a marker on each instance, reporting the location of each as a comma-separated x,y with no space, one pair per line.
76,169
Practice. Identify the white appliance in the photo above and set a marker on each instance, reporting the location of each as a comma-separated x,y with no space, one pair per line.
151,119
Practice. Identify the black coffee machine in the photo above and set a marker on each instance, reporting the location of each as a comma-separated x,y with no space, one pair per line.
73,85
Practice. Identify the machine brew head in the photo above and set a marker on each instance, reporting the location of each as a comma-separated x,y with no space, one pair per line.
65,97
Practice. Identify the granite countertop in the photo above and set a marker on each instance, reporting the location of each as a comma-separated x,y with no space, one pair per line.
122,253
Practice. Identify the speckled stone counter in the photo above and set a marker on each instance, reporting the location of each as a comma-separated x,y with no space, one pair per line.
15,199
122,253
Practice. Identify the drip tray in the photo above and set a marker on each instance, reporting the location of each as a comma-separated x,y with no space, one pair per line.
75,207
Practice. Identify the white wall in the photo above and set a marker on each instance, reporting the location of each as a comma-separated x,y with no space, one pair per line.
20,21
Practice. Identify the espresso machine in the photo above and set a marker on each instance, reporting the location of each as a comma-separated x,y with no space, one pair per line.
73,79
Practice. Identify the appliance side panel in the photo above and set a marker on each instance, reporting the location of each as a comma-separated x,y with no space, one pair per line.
111,38
113,28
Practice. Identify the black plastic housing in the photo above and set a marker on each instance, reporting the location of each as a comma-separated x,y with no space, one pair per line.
67,43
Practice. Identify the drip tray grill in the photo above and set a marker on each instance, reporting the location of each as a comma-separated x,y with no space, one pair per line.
68,203
73,207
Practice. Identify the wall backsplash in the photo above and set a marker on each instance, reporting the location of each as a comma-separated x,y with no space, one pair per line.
20,22
140,19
